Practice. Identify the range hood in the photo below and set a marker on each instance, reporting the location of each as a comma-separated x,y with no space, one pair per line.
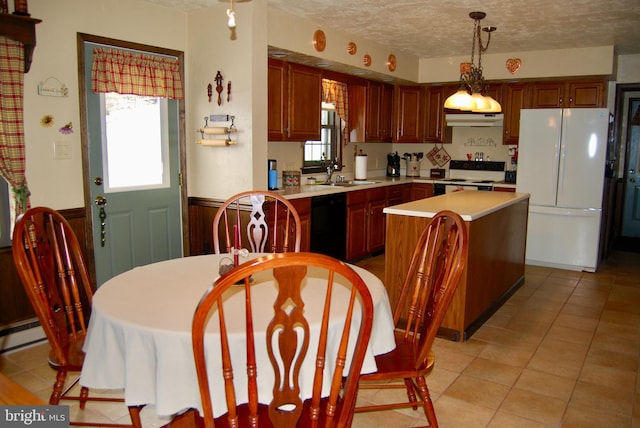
475,119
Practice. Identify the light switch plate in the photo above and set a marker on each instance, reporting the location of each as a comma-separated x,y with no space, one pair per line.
61,150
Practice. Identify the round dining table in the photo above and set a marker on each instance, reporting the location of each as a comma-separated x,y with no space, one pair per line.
139,334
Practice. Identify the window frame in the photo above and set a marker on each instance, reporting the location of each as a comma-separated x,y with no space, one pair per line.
316,166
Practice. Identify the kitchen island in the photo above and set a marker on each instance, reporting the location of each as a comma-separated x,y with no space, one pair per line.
497,226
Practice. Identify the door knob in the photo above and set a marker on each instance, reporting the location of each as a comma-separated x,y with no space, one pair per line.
101,201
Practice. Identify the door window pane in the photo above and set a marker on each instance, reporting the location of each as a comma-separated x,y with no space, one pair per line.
134,142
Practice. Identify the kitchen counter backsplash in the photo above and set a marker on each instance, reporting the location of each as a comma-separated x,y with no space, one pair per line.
465,140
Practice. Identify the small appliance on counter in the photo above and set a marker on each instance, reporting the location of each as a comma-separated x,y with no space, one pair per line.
273,174
393,165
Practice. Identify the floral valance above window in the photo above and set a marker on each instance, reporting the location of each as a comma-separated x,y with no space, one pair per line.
127,72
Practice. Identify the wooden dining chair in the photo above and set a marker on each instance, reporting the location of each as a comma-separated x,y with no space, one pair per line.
434,272
288,342
266,223
54,274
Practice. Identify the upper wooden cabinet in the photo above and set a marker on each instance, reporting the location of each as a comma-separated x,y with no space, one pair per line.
435,125
379,111
305,102
409,102
277,100
568,94
514,99
294,102
386,113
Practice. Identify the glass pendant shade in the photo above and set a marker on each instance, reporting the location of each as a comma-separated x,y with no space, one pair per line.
461,100
492,106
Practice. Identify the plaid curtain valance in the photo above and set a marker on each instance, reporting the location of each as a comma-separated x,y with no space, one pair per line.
127,72
337,94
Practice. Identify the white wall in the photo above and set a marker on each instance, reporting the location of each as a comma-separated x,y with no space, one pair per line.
597,61
628,70
58,183
219,172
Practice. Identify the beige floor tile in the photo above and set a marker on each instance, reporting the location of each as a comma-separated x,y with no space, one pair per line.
545,384
454,413
570,334
537,407
612,358
624,380
508,420
603,399
577,322
585,417
516,357
492,371
477,391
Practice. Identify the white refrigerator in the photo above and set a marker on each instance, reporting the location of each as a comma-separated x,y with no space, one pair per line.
561,163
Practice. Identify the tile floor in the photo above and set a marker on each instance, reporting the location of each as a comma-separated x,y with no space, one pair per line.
563,351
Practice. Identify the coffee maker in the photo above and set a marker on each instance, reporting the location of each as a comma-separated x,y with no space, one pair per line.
393,165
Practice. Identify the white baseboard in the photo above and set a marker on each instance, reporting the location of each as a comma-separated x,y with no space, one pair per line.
21,338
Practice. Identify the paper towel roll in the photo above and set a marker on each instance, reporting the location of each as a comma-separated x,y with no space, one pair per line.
361,167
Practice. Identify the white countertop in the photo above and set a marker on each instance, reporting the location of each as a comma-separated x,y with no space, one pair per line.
305,191
470,204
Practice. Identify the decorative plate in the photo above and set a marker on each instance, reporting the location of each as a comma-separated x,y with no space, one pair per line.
513,65
352,48
319,40
391,62
367,60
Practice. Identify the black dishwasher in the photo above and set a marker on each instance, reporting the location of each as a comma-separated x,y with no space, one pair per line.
329,225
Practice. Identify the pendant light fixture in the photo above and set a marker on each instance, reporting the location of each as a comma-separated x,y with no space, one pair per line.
231,23
472,93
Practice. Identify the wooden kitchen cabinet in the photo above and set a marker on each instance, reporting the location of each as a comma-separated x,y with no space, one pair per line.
514,99
379,112
409,101
398,194
305,102
568,94
365,222
294,102
372,120
421,191
303,206
435,125
386,113
277,100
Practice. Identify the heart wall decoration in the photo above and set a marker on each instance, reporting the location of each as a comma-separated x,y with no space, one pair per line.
513,65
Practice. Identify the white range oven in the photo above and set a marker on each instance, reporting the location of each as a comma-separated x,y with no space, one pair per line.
470,175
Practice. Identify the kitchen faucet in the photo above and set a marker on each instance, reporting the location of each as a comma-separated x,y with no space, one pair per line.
331,166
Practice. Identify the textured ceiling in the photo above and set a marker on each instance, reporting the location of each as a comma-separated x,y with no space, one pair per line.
439,28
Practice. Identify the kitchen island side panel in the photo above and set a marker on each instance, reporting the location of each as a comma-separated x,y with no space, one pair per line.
495,264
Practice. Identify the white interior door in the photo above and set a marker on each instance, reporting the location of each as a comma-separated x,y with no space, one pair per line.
133,148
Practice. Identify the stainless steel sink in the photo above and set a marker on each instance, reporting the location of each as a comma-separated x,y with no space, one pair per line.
349,183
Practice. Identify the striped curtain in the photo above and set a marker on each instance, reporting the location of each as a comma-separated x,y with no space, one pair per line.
12,156
127,72
337,94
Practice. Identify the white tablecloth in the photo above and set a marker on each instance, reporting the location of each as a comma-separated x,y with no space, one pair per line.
139,335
